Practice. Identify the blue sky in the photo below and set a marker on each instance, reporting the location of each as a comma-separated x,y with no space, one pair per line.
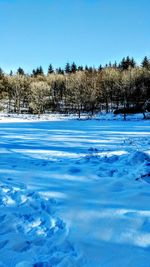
39,32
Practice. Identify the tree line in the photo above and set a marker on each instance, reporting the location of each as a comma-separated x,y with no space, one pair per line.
77,89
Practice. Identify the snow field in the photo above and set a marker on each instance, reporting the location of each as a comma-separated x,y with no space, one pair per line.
75,193
29,230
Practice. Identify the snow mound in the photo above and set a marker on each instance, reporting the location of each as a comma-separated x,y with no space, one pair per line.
134,165
30,234
139,157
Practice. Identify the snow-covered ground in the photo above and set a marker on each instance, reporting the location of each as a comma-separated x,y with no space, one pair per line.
75,193
6,117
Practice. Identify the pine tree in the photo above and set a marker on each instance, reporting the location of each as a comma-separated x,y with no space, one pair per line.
50,69
123,64
33,73
86,68
115,65
127,63
80,68
110,65
40,71
146,63
59,71
73,68
132,63
100,67
91,69
67,68
37,71
1,73
20,71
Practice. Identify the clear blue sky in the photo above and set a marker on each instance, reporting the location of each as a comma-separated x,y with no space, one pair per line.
39,32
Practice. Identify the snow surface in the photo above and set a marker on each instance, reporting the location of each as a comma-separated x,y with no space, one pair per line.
75,193
6,117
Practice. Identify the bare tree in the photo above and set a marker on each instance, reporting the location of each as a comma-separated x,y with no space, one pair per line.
39,96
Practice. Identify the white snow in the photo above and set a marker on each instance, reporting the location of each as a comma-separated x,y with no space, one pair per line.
6,117
74,193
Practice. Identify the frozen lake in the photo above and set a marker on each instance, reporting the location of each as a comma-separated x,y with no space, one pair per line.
93,175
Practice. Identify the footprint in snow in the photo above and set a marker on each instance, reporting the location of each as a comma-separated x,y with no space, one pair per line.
74,170
42,264
14,166
22,246
9,179
3,244
44,164
30,218
132,214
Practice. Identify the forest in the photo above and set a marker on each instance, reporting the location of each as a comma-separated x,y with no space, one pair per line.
123,87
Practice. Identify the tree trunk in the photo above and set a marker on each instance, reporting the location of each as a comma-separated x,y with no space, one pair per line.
79,111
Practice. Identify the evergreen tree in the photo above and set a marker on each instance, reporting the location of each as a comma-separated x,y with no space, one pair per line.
127,63
73,68
37,71
20,71
11,73
33,73
110,65
90,69
132,63
67,68
40,71
50,69
146,63
100,67
59,71
124,64
86,68
1,73
80,68
115,65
